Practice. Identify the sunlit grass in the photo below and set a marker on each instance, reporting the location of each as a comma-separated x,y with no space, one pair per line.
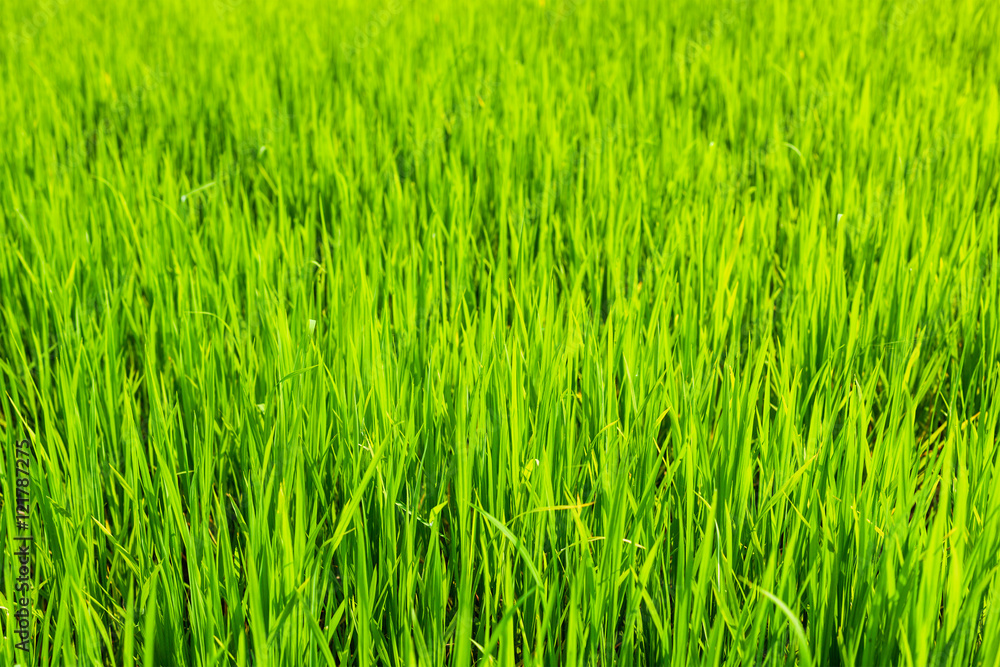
534,333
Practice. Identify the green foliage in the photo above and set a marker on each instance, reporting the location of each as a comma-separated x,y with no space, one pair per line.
520,333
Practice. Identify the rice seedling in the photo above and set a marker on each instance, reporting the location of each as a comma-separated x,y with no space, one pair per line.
563,332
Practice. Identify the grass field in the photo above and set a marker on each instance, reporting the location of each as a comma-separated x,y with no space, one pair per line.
519,333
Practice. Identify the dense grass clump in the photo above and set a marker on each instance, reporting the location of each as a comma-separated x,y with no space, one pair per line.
562,332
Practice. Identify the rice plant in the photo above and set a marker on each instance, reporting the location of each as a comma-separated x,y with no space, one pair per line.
513,332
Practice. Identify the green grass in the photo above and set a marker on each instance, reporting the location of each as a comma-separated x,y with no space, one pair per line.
516,333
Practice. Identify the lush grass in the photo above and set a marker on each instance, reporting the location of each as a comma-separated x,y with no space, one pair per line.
564,333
